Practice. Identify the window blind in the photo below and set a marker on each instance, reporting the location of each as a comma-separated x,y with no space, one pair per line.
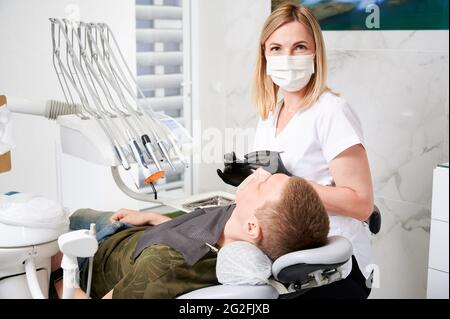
160,58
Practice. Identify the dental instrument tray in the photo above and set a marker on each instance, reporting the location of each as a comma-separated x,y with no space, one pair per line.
209,202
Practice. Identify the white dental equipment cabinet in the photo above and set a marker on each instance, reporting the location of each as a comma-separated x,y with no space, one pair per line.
437,285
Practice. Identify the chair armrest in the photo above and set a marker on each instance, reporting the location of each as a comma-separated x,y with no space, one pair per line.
374,221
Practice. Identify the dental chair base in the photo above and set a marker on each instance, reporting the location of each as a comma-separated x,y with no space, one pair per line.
25,271
233,292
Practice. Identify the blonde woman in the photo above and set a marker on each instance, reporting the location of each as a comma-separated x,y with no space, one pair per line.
319,135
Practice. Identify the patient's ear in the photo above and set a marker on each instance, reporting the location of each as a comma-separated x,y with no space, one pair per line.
253,230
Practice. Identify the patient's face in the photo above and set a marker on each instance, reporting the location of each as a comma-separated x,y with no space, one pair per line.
258,188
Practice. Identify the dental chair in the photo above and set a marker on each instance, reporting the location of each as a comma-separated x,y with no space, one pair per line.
299,271
295,273
292,274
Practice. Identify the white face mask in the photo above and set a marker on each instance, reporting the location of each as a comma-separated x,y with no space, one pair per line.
291,73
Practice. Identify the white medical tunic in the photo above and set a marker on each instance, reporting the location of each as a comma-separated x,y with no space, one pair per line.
310,140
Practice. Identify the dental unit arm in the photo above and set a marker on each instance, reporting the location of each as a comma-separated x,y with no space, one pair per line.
111,122
106,119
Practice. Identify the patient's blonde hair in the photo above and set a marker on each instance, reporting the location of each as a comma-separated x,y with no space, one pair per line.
297,221
264,91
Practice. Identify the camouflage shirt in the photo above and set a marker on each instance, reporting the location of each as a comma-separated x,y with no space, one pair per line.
158,272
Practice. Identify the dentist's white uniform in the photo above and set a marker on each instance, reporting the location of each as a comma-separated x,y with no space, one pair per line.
310,140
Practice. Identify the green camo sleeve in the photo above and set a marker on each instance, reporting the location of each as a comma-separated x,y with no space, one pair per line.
160,272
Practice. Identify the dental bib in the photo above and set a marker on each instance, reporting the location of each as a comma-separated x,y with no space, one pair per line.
242,263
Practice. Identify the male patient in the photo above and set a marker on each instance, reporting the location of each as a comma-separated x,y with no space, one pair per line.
277,213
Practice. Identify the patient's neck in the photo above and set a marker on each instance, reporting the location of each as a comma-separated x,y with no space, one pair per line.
232,230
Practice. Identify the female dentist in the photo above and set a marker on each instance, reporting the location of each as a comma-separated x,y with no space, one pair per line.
319,135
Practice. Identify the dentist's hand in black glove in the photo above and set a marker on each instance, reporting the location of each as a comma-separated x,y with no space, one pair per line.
269,160
235,170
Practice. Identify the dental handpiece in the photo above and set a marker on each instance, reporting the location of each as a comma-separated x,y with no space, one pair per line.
139,157
116,146
161,147
148,146
136,150
121,156
160,173
165,153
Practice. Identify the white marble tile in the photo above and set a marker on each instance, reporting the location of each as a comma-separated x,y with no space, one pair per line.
242,38
241,42
224,45
445,158
402,100
418,41
400,250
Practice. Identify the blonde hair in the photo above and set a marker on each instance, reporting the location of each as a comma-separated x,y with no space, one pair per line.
264,91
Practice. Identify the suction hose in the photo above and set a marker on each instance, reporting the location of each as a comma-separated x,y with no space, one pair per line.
50,109
54,109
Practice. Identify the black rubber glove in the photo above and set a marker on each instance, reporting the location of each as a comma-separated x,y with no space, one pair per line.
269,160
235,170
